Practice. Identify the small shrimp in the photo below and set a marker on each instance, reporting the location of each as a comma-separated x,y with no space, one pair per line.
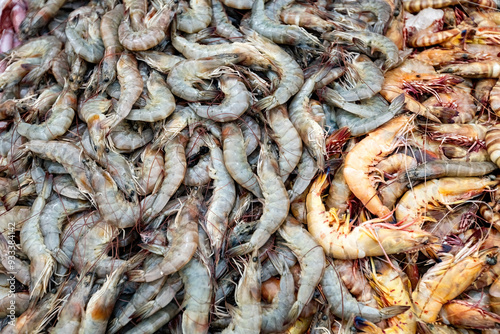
159,61
481,70
174,171
83,32
306,16
60,67
160,103
197,301
343,304
444,191
59,121
222,24
437,169
368,151
152,32
183,245
223,198
247,318
42,263
290,73
276,203
184,74
370,239
461,313
112,205
131,84
69,319
251,132
124,139
195,18
277,32
441,57
235,159
112,47
312,262
237,100
440,284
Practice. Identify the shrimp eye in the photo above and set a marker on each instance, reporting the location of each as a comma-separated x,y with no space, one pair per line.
491,261
106,79
255,259
95,148
396,12
107,150
1,90
70,79
418,75
324,317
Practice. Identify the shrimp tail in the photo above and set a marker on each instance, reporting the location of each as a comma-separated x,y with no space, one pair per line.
365,326
266,103
143,311
239,250
136,275
293,315
397,104
61,257
10,200
391,311
39,287
155,249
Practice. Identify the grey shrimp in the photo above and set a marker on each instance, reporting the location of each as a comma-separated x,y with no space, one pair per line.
198,289
112,47
278,32
290,73
70,317
124,139
224,27
306,169
310,131
344,305
160,103
223,198
174,171
144,293
150,171
276,203
183,244
235,159
159,61
166,294
196,18
51,220
65,186
57,123
274,316
312,261
42,263
184,74
237,100
251,132
83,31
112,205
287,138
131,84
157,321
247,318
19,268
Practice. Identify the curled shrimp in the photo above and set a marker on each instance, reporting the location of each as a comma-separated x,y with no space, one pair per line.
112,47
195,18
83,31
368,151
338,239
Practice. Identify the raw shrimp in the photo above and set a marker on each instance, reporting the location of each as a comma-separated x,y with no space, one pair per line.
160,103
83,32
448,279
197,301
368,151
370,239
124,139
166,294
157,321
461,313
237,100
150,172
222,24
276,203
112,47
251,132
482,70
42,263
306,169
343,305
112,205
290,73
131,84
247,318
59,121
311,259
437,169
19,269
195,18
183,244
235,159
444,191
223,198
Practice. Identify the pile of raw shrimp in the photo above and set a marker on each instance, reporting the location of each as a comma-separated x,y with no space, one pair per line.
236,166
